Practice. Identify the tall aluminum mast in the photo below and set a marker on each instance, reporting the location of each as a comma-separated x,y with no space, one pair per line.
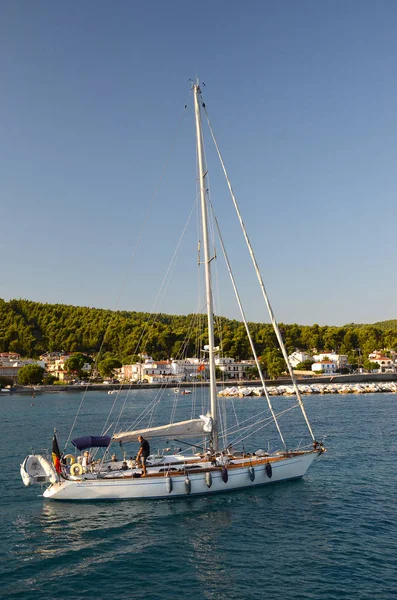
207,264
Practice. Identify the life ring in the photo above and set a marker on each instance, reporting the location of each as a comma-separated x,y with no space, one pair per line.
69,459
76,469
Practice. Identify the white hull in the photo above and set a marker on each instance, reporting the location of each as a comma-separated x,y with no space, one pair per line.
158,487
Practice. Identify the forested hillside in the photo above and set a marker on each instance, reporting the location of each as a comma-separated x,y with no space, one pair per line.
32,328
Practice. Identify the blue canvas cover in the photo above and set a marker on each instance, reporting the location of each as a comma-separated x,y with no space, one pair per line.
91,441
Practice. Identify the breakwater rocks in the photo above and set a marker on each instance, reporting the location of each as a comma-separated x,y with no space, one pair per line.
315,388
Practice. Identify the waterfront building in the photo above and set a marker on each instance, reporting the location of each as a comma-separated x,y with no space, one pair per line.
388,352
150,370
298,357
190,369
54,363
232,369
11,368
386,363
130,372
327,367
164,370
176,371
340,360
9,356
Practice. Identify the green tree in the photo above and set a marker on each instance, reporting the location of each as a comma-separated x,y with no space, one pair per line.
106,367
273,364
76,362
49,379
305,365
370,366
252,372
276,367
218,373
32,328
31,375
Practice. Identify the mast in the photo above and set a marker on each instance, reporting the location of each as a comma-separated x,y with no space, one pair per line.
207,263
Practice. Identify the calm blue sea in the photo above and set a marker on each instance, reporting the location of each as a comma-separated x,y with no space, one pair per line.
332,535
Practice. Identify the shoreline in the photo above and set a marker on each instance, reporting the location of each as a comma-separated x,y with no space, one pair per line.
355,378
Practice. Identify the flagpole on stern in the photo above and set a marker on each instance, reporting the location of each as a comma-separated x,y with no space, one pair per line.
56,453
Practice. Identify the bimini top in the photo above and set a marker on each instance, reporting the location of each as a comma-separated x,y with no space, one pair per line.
91,441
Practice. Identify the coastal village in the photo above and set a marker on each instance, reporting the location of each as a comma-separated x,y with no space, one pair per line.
191,370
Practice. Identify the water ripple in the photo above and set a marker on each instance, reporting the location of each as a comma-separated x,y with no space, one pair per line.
330,536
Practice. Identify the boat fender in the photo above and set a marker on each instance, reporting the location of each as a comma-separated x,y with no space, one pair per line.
188,485
69,459
208,479
225,474
269,470
76,469
168,483
251,473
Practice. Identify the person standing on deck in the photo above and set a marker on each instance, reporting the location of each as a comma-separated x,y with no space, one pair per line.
143,453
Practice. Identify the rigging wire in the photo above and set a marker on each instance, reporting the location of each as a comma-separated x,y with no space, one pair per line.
267,422
165,165
164,284
246,326
259,276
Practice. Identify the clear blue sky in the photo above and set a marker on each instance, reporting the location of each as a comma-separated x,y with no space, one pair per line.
303,99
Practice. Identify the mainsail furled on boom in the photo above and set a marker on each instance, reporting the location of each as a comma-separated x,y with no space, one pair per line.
182,429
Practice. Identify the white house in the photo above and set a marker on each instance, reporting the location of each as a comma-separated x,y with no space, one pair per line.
156,367
130,372
11,368
386,364
297,357
232,369
378,353
327,367
54,363
339,359
162,378
190,369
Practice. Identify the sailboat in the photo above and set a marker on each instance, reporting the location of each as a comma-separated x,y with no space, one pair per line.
216,467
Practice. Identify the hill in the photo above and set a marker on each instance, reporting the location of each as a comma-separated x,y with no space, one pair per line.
381,325
32,328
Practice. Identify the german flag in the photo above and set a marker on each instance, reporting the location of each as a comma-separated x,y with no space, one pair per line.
56,454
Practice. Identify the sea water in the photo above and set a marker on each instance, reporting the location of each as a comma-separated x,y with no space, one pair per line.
331,535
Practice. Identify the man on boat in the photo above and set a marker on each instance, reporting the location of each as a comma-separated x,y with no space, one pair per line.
143,453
